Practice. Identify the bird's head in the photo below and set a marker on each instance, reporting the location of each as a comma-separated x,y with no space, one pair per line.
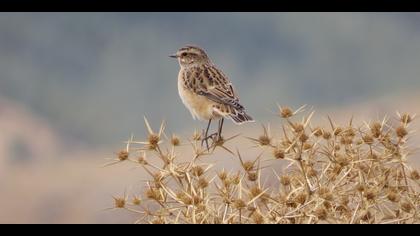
191,55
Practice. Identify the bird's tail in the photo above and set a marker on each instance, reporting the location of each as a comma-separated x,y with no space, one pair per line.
240,117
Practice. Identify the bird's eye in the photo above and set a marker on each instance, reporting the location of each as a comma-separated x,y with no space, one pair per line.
183,54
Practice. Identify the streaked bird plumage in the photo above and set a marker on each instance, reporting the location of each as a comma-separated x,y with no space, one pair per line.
205,90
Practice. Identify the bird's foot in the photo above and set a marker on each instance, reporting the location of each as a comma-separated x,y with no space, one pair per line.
218,140
206,140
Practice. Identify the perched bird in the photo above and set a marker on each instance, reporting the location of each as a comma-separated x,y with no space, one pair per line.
206,91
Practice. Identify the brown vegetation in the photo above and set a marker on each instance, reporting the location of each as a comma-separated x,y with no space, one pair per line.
336,174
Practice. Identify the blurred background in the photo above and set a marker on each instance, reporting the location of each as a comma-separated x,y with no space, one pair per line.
74,86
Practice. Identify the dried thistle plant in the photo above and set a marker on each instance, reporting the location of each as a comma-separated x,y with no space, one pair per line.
336,174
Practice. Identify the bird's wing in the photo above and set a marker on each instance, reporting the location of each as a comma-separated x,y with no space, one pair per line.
210,82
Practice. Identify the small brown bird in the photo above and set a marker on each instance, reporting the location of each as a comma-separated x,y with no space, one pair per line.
206,91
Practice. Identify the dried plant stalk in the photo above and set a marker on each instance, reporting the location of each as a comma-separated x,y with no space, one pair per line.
337,174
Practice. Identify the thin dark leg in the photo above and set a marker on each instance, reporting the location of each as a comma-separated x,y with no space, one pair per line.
205,138
219,132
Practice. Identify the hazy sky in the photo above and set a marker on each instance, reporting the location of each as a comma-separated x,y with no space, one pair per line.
94,75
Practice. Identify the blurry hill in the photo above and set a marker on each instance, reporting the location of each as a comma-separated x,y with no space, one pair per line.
92,76
24,138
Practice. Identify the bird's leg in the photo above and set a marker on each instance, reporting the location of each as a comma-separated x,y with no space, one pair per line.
219,131
205,138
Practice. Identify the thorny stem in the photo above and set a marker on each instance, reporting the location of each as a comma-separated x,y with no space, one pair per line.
373,186
299,161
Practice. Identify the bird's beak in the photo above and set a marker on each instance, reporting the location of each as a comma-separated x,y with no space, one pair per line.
173,56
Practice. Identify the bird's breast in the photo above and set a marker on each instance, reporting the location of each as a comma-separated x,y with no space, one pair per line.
199,106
